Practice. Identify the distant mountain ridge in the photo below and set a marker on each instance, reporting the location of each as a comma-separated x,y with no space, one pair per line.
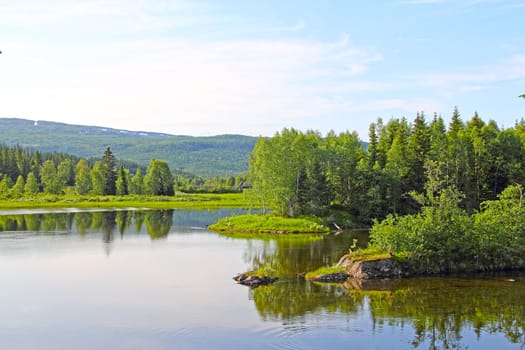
208,156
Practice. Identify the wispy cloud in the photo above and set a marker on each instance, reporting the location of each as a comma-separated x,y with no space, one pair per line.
127,14
194,84
511,69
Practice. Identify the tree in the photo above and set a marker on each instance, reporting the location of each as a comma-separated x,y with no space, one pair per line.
372,146
137,183
18,189
342,154
5,186
97,180
65,173
109,172
159,180
522,96
31,186
418,148
82,178
122,181
50,180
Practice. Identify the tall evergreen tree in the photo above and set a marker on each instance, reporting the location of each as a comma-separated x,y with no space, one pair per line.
109,172
122,181
372,152
137,183
418,148
438,144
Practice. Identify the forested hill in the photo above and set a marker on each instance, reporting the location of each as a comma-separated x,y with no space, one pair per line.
204,156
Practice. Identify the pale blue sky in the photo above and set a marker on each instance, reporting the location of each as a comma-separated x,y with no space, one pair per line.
255,67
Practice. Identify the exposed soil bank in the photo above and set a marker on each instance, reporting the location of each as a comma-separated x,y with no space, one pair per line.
372,269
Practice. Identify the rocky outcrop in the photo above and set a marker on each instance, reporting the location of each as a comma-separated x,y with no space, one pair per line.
372,269
254,281
338,277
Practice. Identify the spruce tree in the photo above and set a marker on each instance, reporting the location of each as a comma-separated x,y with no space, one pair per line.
122,182
418,148
137,183
109,172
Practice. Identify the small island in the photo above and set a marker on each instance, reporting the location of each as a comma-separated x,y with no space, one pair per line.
269,224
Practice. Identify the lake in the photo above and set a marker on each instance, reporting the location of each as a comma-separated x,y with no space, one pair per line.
132,279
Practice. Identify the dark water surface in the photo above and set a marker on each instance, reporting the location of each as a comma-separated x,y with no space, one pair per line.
161,280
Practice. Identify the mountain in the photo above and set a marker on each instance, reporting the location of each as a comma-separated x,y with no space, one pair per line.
222,155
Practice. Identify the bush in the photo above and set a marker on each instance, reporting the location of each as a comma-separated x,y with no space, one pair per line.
443,238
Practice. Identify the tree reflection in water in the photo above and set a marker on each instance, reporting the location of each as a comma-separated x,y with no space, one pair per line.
440,310
157,222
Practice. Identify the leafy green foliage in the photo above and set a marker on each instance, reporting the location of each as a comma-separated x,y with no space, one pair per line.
158,180
31,186
444,238
302,173
82,178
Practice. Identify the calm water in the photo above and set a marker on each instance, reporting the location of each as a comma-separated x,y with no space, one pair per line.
160,280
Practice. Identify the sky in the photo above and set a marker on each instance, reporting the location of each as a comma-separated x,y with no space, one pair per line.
254,67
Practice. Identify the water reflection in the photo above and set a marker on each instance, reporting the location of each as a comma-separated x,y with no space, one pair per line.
156,223
442,311
296,254
170,283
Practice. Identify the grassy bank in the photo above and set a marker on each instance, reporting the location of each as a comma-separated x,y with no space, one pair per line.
268,224
180,201
323,271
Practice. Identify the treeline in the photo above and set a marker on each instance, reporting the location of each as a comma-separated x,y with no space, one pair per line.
303,173
189,183
25,172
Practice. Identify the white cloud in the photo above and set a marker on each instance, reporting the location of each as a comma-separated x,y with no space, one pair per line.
184,86
126,15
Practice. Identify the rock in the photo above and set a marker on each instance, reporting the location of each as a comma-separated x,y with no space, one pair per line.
338,277
254,281
373,269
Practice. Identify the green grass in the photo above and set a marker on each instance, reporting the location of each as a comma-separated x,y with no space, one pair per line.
268,224
263,271
325,270
180,201
369,254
